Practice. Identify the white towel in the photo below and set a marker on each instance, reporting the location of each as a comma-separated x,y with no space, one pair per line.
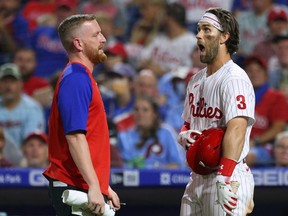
78,200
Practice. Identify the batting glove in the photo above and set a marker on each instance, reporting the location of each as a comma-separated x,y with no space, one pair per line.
226,198
188,137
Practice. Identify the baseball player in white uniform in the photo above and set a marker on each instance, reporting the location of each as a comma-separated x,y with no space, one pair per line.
220,95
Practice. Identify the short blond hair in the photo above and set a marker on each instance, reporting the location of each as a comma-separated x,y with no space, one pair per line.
71,23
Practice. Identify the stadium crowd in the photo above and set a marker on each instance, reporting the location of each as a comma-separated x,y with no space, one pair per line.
152,54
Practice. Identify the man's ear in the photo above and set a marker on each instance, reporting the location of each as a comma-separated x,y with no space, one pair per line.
77,44
224,37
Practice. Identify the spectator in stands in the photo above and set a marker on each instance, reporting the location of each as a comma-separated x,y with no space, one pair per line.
281,150
239,6
197,64
150,23
173,88
115,11
271,113
50,53
14,30
116,159
278,25
150,144
114,47
4,162
107,28
195,9
19,113
35,150
36,87
253,25
116,60
33,11
278,65
116,54
146,28
48,96
146,84
244,5
120,81
172,48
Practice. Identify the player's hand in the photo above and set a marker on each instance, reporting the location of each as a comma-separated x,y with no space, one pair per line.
113,199
96,202
226,197
188,137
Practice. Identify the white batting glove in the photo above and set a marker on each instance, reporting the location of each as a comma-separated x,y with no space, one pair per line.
226,197
188,137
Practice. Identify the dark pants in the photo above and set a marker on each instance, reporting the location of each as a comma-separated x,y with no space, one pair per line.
55,193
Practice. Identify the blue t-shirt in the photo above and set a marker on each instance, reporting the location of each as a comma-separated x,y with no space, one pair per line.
26,117
153,154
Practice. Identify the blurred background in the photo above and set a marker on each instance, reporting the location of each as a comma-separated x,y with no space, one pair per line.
152,54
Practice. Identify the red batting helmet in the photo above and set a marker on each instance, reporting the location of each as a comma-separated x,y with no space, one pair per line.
203,156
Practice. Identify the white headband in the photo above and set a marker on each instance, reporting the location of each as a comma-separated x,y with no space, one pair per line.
212,19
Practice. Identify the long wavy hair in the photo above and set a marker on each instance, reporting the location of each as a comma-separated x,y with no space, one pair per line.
147,133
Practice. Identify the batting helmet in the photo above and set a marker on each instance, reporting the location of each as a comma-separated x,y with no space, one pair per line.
203,156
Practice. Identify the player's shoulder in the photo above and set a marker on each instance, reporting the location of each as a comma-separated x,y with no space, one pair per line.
75,72
235,71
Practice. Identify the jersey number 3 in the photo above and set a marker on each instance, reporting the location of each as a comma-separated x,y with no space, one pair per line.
241,102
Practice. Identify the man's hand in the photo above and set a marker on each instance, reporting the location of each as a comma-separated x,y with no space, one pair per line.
226,197
188,137
96,203
113,199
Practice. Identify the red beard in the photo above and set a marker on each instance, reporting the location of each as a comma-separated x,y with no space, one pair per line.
96,57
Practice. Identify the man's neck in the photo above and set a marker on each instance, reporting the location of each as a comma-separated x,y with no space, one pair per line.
217,64
82,60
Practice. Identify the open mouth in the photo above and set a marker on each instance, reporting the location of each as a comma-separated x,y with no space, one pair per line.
201,47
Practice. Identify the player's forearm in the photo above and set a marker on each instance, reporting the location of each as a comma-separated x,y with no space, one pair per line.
232,146
80,153
234,138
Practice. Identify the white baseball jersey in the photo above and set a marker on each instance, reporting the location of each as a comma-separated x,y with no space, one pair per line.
212,102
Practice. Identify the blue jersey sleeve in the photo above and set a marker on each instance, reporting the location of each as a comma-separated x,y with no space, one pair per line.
74,97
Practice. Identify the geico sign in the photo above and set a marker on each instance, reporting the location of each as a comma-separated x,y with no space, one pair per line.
271,177
36,178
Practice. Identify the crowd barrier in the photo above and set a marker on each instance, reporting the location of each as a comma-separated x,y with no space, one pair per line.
28,177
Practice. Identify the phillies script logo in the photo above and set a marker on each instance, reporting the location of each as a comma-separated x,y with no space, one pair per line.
202,111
